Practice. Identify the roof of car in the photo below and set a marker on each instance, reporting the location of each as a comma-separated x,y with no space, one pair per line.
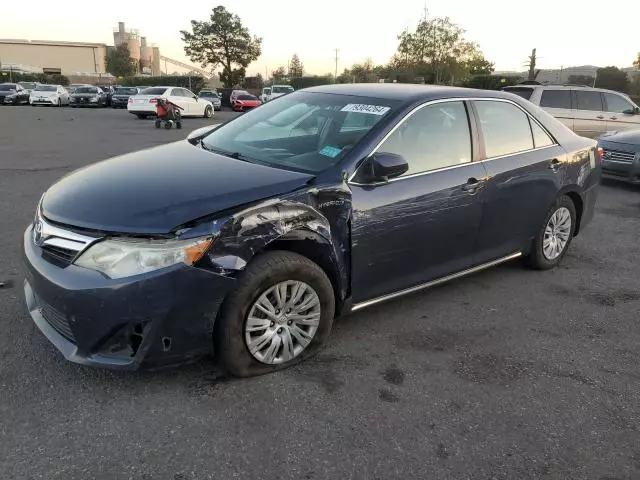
407,92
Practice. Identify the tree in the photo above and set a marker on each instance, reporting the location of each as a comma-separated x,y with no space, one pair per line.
636,63
612,78
222,41
278,75
437,50
296,68
581,80
478,65
120,63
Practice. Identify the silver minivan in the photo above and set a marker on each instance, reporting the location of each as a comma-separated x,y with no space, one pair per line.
589,112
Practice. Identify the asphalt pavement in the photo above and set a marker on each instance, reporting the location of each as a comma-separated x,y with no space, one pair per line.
506,374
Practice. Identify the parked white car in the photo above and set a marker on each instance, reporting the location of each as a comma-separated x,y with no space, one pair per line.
55,95
588,111
276,91
144,104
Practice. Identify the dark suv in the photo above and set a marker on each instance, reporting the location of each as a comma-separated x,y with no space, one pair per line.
247,240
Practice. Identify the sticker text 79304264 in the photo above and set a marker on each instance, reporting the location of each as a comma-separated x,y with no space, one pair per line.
370,109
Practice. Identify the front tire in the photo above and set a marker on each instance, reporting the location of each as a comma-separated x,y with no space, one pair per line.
208,111
279,314
554,237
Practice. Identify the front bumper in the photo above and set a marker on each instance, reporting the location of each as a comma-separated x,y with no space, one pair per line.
119,102
162,318
44,101
629,171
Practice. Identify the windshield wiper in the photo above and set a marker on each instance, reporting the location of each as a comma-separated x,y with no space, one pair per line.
235,155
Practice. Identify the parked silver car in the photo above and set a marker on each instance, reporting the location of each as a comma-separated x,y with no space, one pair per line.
587,111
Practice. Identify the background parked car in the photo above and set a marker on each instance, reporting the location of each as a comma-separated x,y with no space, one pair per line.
587,111
242,103
13,94
213,97
144,104
121,95
49,95
72,88
30,86
278,91
264,96
235,93
621,154
88,96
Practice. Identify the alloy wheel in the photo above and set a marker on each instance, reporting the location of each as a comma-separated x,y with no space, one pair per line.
282,322
557,233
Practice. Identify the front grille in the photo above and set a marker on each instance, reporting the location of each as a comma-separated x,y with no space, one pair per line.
618,156
62,255
58,321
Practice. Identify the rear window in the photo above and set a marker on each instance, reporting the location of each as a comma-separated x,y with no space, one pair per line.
282,89
586,100
7,87
126,91
154,91
556,99
523,92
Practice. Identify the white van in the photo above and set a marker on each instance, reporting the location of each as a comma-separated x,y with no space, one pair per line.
589,112
275,91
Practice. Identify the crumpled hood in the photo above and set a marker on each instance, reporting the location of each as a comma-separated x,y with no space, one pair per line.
156,190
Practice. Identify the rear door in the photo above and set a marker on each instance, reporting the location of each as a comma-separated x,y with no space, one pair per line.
616,105
525,167
558,102
590,120
176,96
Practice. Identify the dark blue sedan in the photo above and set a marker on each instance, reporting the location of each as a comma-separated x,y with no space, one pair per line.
247,240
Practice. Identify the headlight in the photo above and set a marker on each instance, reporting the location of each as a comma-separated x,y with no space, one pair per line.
118,258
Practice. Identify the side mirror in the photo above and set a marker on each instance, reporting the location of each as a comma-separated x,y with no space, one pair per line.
632,111
380,167
198,134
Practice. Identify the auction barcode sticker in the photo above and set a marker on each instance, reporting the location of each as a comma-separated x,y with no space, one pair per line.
370,109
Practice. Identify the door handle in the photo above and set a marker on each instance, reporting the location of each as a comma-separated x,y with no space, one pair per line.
600,117
613,118
472,185
554,164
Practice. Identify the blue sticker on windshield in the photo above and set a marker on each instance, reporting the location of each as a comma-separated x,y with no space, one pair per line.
329,151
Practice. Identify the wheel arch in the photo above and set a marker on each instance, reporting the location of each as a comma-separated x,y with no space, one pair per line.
575,196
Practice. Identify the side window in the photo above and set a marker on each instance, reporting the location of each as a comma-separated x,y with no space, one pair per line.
176,92
586,100
540,137
524,92
436,136
505,127
187,93
556,99
617,103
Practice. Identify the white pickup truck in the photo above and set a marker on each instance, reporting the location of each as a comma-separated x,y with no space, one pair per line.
274,91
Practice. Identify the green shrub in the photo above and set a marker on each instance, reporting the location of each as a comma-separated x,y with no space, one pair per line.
36,77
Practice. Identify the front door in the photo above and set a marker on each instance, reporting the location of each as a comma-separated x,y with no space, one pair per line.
616,105
422,225
525,168
590,120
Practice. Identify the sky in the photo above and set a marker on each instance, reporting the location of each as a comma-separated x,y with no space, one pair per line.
565,32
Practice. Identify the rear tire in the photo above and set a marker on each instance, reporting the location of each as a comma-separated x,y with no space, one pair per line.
141,116
231,333
555,235
208,111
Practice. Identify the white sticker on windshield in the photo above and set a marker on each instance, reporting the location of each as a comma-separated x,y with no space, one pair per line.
370,109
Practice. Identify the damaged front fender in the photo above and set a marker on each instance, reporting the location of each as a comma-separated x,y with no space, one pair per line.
316,218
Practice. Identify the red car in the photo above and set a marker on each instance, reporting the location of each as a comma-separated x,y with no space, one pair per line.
243,103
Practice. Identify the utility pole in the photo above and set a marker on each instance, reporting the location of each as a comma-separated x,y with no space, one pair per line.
532,66
335,75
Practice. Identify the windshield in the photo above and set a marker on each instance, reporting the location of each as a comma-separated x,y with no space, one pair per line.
284,89
154,91
247,97
4,88
46,88
209,94
28,85
86,90
303,131
126,91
